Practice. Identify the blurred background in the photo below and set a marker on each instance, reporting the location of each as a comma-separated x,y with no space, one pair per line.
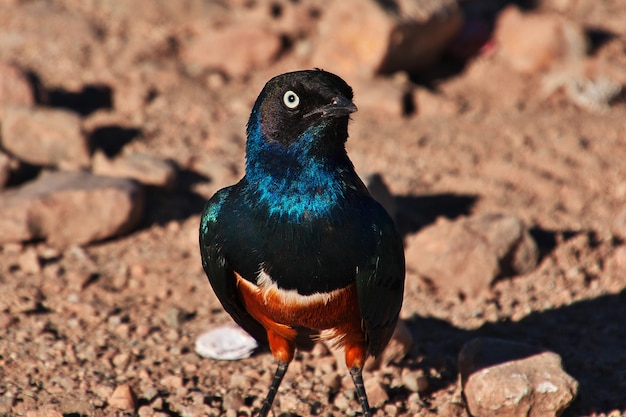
493,131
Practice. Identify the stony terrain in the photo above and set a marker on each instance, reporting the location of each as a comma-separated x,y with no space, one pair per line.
497,137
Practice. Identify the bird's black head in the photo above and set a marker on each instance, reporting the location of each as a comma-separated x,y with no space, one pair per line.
294,103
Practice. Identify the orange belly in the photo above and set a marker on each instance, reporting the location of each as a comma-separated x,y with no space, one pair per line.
335,315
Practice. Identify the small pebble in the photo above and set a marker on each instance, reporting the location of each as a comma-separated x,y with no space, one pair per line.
145,411
391,410
376,393
123,398
172,381
238,380
233,401
121,360
341,402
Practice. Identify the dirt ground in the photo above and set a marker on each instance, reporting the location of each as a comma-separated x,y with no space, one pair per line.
75,323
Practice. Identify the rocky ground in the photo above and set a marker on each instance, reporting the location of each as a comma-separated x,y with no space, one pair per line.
500,152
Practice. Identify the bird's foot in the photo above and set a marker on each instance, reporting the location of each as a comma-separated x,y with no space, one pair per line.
357,378
269,400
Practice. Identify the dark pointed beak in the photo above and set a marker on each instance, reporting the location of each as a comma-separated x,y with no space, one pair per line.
339,106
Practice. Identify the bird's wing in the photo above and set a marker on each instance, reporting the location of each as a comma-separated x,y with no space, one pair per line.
220,274
380,284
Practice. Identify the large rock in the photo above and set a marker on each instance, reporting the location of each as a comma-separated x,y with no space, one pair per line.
511,379
45,137
38,37
466,255
68,208
360,38
15,88
535,42
235,49
147,169
5,169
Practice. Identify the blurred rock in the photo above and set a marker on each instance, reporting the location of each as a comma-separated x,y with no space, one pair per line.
29,262
14,86
466,255
233,400
415,380
452,409
44,412
593,93
39,38
536,42
147,169
511,379
398,347
235,49
383,97
376,393
616,262
68,208
5,169
361,38
123,398
342,402
172,381
45,137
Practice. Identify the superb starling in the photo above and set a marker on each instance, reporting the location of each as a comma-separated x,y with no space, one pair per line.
298,251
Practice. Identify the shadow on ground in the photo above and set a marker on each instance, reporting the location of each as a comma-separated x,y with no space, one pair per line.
177,204
589,335
416,212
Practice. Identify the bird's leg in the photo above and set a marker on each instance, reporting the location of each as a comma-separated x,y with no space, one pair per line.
283,349
278,377
357,378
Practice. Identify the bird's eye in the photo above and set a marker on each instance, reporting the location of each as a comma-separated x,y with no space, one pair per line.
291,99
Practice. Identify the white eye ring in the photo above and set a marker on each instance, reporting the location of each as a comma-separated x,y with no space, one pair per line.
291,99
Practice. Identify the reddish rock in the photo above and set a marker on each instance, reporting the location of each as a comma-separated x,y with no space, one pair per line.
14,86
511,379
376,393
45,137
465,256
234,49
123,398
147,169
535,42
360,38
54,42
44,412
68,208
5,169
382,97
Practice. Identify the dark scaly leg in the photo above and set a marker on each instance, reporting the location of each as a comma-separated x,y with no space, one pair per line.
283,349
278,378
357,378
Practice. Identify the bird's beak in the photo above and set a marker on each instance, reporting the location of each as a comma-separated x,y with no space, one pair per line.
339,106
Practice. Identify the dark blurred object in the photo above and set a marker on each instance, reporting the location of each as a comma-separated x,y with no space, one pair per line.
362,38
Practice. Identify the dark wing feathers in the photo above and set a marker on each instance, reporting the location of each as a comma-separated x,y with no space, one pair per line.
220,274
380,284
379,274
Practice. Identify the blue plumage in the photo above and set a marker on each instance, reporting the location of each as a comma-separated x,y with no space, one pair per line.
298,246
289,181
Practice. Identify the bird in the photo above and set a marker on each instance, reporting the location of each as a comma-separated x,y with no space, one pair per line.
298,251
